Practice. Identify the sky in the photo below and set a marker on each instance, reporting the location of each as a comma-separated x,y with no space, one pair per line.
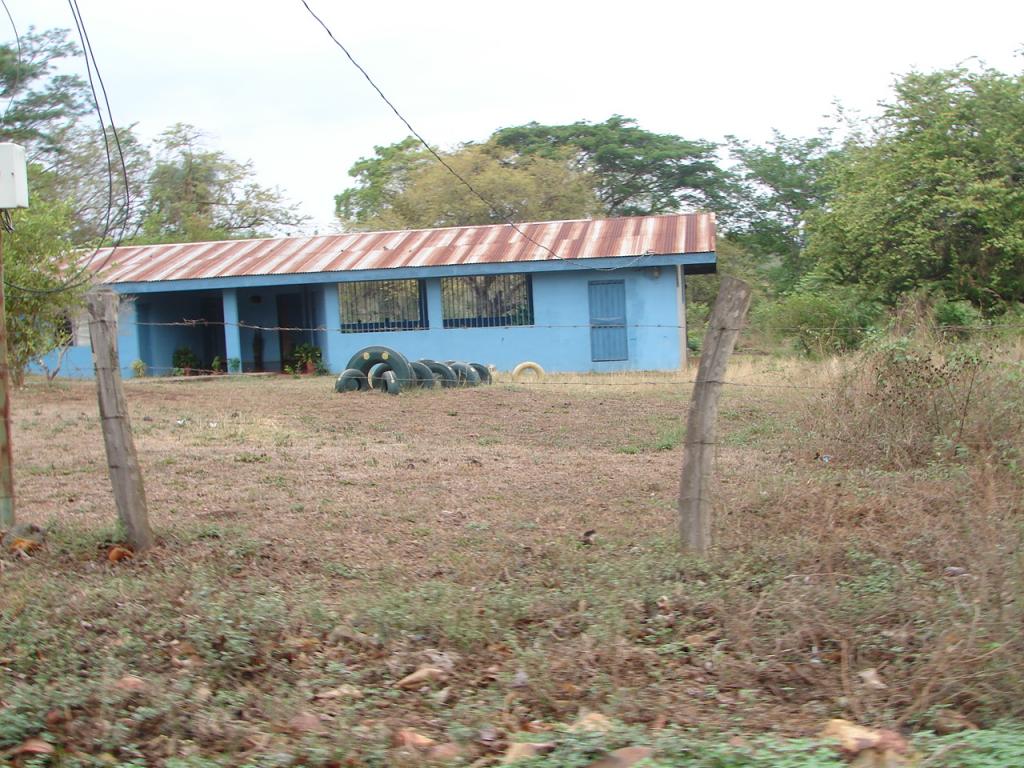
266,84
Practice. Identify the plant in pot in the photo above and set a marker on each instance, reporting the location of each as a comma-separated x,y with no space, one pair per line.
185,360
308,358
217,365
234,365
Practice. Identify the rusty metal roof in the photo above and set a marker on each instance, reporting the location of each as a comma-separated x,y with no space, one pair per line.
491,244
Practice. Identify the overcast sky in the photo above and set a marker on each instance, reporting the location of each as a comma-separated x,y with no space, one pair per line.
264,81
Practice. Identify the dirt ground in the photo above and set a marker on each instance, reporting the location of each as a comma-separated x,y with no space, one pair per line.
310,540
378,483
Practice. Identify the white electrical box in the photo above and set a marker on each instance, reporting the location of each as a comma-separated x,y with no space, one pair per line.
13,177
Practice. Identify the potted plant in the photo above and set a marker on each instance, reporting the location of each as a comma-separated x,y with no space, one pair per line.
234,365
185,360
138,369
307,357
217,365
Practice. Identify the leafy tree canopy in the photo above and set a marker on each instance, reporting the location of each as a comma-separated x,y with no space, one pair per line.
777,187
634,171
37,318
404,187
196,193
40,103
936,199
380,180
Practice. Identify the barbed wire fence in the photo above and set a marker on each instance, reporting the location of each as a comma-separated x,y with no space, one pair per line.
625,378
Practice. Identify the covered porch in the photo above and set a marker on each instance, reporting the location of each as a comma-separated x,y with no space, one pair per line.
236,329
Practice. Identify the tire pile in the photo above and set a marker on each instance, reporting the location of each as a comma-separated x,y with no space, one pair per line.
386,370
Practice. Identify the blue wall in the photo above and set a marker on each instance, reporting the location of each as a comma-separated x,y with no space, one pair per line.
559,339
77,361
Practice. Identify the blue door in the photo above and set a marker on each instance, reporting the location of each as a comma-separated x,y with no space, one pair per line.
608,321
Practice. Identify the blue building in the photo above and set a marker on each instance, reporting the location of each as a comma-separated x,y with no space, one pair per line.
588,295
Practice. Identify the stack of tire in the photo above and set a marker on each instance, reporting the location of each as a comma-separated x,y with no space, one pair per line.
386,370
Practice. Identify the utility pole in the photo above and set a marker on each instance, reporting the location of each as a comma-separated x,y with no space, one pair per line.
13,194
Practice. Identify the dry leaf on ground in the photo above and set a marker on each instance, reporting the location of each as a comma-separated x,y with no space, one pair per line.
407,737
117,554
422,676
592,721
306,722
871,679
623,758
521,750
33,746
132,684
341,692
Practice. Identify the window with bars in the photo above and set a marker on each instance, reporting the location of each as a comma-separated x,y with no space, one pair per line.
487,301
382,305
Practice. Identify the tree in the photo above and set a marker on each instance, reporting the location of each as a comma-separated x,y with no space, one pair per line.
634,171
41,103
403,187
379,181
197,193
937,200
41,296
80,172
777,187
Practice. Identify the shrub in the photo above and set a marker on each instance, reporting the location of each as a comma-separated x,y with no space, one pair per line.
184,358
820,323
956,316
903,402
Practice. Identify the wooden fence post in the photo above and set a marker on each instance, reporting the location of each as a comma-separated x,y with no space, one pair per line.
122,460
695,508
6,460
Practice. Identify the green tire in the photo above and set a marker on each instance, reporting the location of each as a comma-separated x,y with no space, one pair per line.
483,372
368,357
390,383
351,380
448,378
424,376
468,377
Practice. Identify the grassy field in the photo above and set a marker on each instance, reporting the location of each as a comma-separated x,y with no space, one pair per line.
317,548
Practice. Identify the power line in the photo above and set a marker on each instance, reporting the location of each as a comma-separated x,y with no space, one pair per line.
491,206
80,276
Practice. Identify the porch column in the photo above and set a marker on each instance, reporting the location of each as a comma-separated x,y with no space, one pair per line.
434,316
333,347
232,333
684,350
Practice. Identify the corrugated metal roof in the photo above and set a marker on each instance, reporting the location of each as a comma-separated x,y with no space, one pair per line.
499,243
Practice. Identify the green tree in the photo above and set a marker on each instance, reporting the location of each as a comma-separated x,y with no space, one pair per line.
40,102
634,171
380,180
94,185
196,193
778,186
936,201
403,187
41,297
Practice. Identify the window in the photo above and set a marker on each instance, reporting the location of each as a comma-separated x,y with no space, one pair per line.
382,305
74,331
487,301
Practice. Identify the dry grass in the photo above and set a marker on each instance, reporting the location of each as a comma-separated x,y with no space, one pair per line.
452,520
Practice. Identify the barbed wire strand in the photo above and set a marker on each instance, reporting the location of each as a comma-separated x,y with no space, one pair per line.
201,322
